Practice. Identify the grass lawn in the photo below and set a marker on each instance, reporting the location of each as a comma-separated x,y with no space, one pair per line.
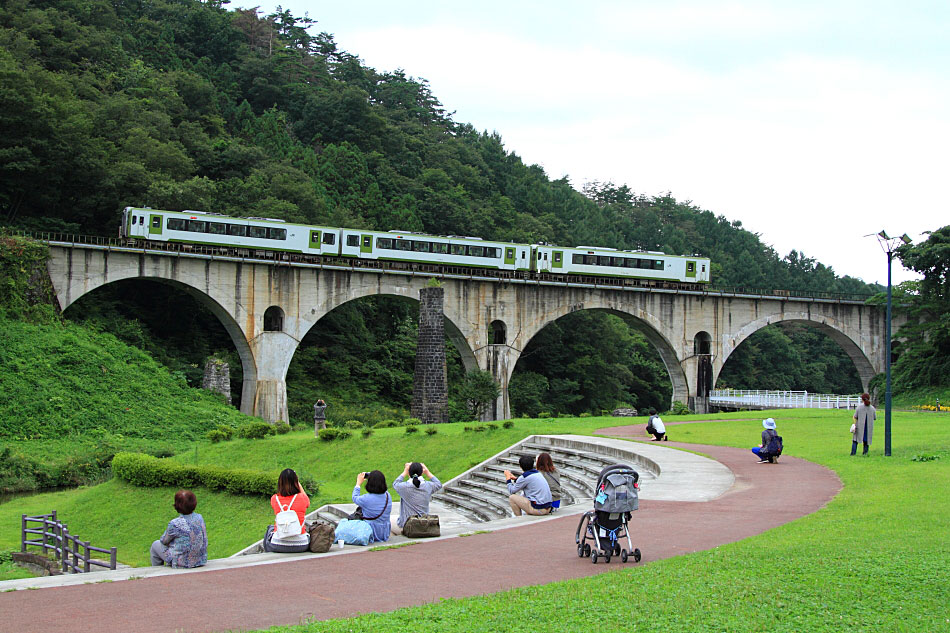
875,559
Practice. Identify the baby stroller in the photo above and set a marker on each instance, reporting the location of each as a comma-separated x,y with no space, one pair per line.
616,496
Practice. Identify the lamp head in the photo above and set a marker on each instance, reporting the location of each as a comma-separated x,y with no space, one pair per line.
883,235
905,239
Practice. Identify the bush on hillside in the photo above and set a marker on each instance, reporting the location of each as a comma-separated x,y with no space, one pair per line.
330,433
255,430
508,424
352,424
412,429
147,471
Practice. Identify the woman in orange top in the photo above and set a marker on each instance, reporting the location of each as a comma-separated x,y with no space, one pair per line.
290,496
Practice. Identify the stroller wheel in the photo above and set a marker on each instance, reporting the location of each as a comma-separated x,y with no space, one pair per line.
607,557
586,549
580,551
623,556
593,557
636,555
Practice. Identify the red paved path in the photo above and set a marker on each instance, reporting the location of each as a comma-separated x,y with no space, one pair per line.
338,586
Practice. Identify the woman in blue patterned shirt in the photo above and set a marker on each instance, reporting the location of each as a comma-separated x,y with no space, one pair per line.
185,541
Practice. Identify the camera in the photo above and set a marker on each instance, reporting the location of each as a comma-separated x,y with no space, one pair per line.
366,474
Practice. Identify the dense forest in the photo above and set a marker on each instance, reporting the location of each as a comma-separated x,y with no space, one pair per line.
184,104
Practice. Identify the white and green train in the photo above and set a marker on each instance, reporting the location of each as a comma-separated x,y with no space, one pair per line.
263,234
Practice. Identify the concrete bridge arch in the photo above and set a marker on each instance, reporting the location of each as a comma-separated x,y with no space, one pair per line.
478,312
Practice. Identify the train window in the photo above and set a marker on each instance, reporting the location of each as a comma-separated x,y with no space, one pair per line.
476,251
156,222
135,220
522,254
440,247
557,258
368,241
237,230
690,267
616,261
329,238
704,268
352,240
630,263
658,264
590,260
603,260
545,257
197,226
491,251
277,234
577,259
217,228
176,224
420,247
384,242
257,231
458,249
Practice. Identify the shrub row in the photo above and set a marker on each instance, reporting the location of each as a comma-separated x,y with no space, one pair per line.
147,471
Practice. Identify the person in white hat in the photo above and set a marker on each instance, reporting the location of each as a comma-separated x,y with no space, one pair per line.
762,451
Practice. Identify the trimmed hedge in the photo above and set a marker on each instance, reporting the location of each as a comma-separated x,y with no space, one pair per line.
147,471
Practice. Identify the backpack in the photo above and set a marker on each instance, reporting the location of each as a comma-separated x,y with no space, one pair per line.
774,447
424,526
321,537
287,520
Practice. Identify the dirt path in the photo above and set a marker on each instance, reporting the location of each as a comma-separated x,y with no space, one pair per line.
340,586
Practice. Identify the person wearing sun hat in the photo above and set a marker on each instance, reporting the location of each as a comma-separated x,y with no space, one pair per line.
761,451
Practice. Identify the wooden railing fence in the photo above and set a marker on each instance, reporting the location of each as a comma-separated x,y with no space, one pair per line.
53,536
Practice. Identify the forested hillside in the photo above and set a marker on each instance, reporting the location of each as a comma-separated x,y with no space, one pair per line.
183,104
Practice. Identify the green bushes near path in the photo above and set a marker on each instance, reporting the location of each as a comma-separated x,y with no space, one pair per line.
147,471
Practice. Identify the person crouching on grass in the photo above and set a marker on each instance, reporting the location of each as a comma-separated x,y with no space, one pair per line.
537,494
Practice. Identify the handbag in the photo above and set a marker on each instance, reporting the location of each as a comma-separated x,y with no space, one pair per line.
287,521
422,526
354,532
321,537
854,427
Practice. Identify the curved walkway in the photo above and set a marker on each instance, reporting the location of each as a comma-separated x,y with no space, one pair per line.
538,552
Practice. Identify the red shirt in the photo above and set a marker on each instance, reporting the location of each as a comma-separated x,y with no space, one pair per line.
301,503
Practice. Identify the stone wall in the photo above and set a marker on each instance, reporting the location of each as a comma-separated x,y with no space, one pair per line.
217,378
430,387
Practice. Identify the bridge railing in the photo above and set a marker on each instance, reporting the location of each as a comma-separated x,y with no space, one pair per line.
763,399
52,535
289,258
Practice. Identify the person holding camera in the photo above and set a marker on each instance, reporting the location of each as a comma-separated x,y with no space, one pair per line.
376,505
414,495
537,494
290,496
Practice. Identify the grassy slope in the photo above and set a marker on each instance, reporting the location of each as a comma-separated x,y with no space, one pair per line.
64,381
875,559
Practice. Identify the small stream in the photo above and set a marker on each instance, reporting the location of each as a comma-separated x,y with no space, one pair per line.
10,496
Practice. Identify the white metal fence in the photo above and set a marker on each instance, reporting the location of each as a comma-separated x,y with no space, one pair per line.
761,399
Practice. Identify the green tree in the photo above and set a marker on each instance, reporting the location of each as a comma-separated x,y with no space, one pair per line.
478,390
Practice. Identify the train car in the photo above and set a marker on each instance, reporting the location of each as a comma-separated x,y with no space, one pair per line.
599,261
450,250
211,229
268,235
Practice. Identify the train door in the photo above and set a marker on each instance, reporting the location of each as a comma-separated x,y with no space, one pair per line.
557,260
366,246
315,244
154,224
510,252
544,264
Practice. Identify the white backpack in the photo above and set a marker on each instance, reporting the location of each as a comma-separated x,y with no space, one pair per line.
288,522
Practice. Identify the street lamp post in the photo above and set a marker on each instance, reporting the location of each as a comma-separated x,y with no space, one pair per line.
889,244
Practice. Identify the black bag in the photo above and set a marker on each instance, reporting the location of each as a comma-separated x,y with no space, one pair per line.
424,526
321,536
356,516
774,447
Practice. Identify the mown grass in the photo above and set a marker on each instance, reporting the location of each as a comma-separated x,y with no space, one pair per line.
129,518
875,559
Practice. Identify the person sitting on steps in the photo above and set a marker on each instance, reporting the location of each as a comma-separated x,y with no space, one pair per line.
185,541
537,494
290,496
414,494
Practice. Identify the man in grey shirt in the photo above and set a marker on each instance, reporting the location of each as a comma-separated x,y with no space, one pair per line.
319,416
537,493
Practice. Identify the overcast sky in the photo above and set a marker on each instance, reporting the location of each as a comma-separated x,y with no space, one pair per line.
812,123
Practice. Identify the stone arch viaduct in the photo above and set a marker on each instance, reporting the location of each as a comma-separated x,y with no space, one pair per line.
489,320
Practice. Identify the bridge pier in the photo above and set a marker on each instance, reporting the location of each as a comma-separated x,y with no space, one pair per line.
500,361
264,394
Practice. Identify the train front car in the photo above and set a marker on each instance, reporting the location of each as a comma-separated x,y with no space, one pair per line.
649,268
